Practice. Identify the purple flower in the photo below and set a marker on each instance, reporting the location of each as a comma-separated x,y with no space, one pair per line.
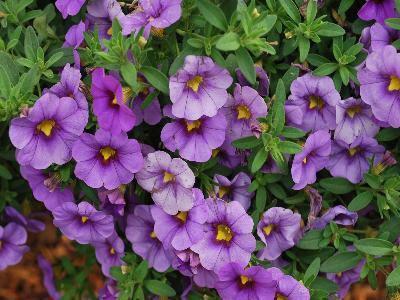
279,229
382,36
46,187
351,161
235,190
311,105
184,229
236,283
74,39
199,89
380,85
262,80
387,160
313,158
83,222
338,214
113,201
169,180
106,160
151,114
287,287
69,7
109,253
242,110
155,15
109,103
195,140
46,135
12,248
48,277
13,215
228,156
228,237
378,10
354,118
140,232
109,291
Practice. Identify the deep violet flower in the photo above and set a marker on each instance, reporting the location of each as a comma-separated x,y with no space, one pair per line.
311,105
12,248
262,80
169,180
109,253
74,39
69,7
242,110
228,156
109,103
13,215
351,161
140,232
48,277
184,229
228,236
109,291
235,190
106,160
199,88
83,222
288,288
47,134
377,10
195,140
279,229
380,85
354,118
313,158
113,202
338,214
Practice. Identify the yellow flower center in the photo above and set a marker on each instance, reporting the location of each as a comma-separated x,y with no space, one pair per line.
394,84
110,31
354,151
168,177
84,219
222,191
157,32
215,152
112,251
195,83
114,100
245,280
46,127
315,102
127,93
280,297
243,112
107,153
224,233
190,126
305,160
153,235
352,111
268,229
182,216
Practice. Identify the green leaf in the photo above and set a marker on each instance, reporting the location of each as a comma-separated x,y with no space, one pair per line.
261,199
361,201
394,278
278,108
311,11
304,48
277,190
31,43
5,83
259,160
53,59
393,23
213,14
246,65
289,147
156,78
374,246
291,9
330,30
341,262
4,173
292,132
337,185
317,60
312,271
228,42
159,288
372,180
141,271
139,294
310,240
344,6
147,101
388,134
247,142
326,69
129,74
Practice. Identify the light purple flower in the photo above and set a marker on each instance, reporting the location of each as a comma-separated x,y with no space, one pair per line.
48,277
354,118
382,36
12,244
236,283
113,202
338,214
378,10
235,190
169,180
47,134
69,7
287,287
228,156
140,232
262,80
13,215
313,158
106,160
279,229
74,39
228,237
151,114
351,161
199,88
311,105
109,291
83,222
109,253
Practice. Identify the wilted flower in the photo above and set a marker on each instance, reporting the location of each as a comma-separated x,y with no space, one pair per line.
338,214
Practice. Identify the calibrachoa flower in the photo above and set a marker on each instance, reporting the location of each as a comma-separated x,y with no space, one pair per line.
311,105
199,89
113,201
74,39
354,118
169,180
228,156
236,283
152,113
312,159
83,222
13,215
378,10
382,36
195,140
338,214
235,190
184,229
12,248
140,232
47,134
48,277
351,161
69,7
279,229
106,160
155,15
228,237
109,253
262,80
242,110
346,279
109,291
288,288
109,103
315,206
380,85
